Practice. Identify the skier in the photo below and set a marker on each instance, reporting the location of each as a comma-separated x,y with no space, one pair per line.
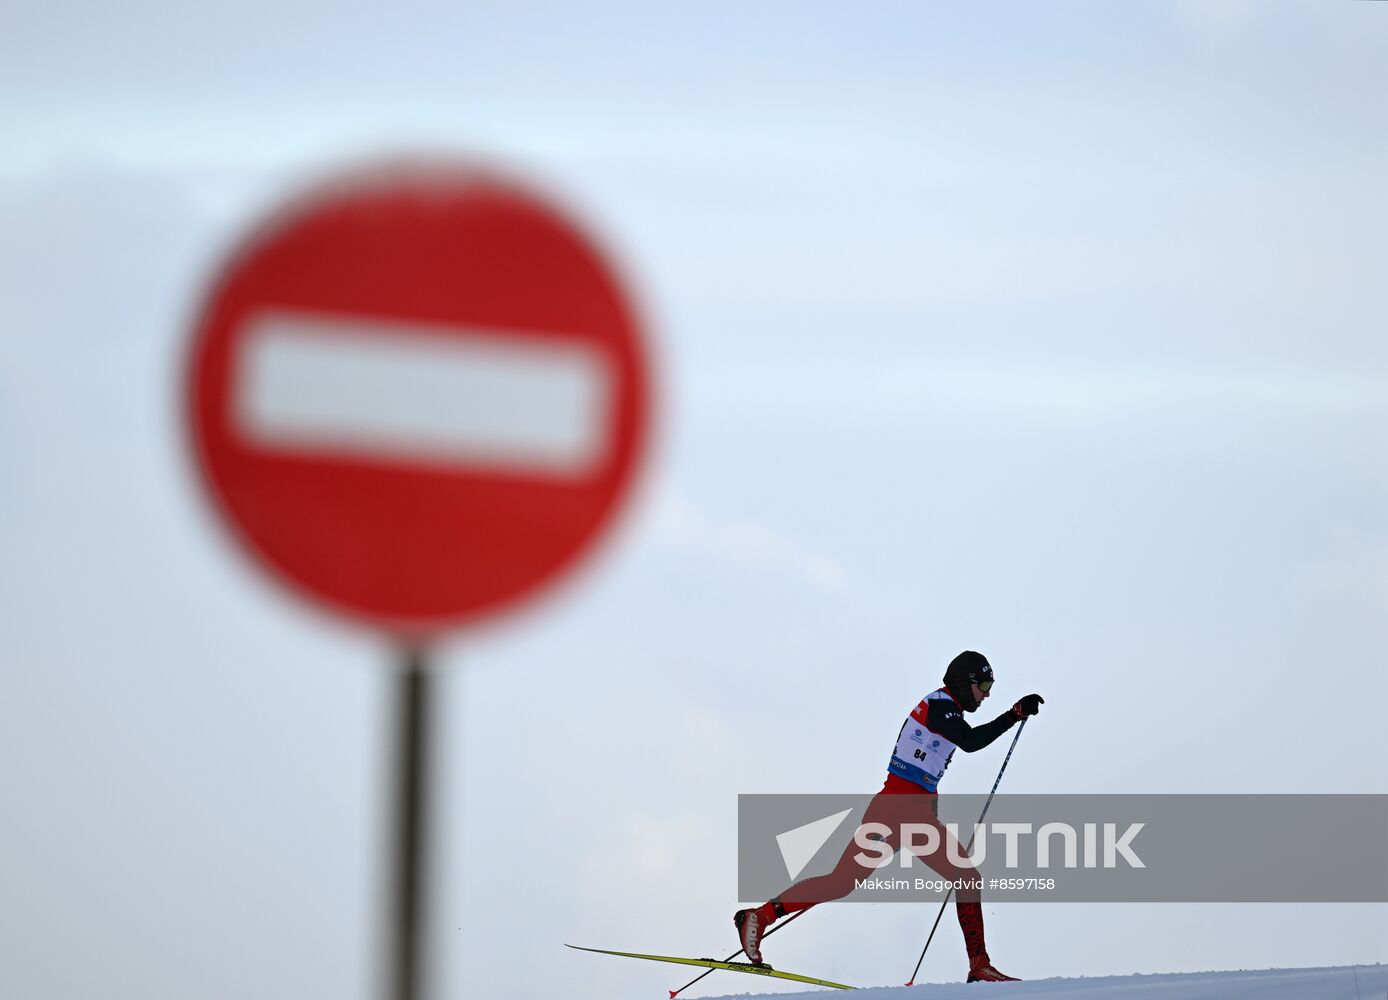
909,795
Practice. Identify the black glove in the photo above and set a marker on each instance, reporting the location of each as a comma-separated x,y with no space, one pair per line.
1029,705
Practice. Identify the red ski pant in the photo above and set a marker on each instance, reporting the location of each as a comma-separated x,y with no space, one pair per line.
892,807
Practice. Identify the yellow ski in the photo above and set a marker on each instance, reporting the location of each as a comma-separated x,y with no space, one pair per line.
713,963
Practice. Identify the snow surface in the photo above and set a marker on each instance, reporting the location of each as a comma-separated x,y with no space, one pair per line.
1360,982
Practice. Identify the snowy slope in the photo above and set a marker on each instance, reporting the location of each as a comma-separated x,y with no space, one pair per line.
1363,982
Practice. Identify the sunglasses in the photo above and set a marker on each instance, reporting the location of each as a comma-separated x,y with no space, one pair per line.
985,686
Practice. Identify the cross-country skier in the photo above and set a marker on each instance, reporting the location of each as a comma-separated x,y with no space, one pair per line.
909,796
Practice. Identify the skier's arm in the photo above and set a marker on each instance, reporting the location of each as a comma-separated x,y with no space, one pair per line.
947,719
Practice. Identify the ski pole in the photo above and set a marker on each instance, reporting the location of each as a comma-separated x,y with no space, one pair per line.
968,851
774,929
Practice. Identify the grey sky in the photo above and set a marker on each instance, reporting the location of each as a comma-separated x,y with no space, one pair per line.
1050,330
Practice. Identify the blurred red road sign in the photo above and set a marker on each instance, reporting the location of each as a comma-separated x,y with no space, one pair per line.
417,395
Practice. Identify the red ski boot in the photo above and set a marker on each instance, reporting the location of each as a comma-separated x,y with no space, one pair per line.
981,971
751,925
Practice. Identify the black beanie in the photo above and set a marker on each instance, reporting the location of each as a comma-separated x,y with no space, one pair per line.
962,672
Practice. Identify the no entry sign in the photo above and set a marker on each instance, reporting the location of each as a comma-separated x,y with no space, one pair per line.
417,395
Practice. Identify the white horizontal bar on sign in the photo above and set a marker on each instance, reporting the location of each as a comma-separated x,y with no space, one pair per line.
409,392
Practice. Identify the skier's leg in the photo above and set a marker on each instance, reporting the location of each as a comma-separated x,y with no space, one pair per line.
968,906
967,895
885,808
752,924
